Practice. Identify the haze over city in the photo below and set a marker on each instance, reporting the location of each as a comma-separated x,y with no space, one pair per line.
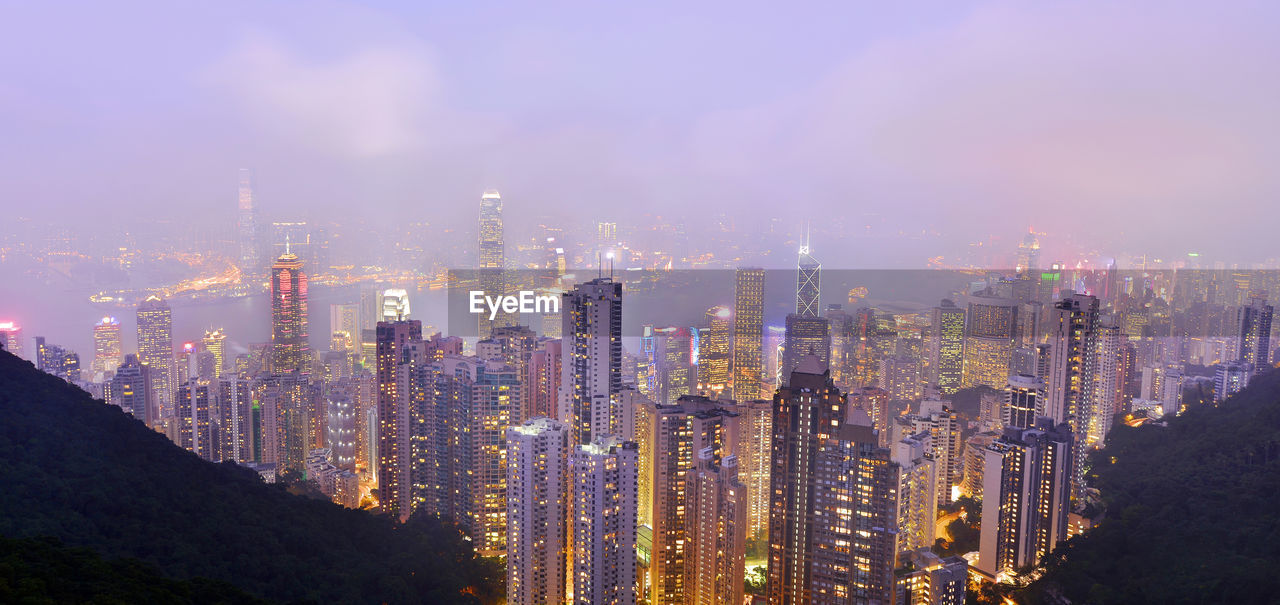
1108,125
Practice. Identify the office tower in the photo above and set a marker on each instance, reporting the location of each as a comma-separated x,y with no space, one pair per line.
673,363
193,419
917,489
491,257
755,442
129,390
1253,328
214,342
854,519
247,227
1026,480
393,418
1028,254
1024,401
1229,379
774,344
11,337
900,376
805,336
808,283
106,346
924,578
844,347
946,351
806,412
877,404
345,319
544,380
604,522
393,305
592,358
717,518
340,430
290,352
943,426
537,512
748,333
990,329
715,352
155,350
672,437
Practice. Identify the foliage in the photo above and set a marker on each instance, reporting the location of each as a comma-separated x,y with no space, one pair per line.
755,579
1190,511
91,476
42,570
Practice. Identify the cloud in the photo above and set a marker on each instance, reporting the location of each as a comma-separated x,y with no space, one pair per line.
371,101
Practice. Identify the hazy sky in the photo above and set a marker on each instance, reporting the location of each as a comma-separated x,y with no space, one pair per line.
1111,121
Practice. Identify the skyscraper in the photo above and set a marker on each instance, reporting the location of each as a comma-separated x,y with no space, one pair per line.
805,336
214,343
537,512
604,522
748,333
393,419
1025,493
592,358
247,226
672,438
715,352
806,412
1253,324
808,283
155,350
990,328
395,304
917,476
106,346
946,360
128,390
717,518
492,256
755,442
11,337
290,351
1024,401
854,519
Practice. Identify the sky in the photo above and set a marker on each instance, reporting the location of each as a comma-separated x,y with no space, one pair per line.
1124,124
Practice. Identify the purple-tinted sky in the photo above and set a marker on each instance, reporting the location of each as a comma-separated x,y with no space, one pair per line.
1124,123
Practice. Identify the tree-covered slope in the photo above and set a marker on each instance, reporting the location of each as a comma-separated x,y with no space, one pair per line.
1192,511
89,475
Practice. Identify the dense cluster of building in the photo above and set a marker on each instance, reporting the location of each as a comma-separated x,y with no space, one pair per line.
608,476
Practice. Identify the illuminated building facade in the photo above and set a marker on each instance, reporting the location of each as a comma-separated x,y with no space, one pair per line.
715,352
805,336
806,413
492,254
107,354
748,333
214,343
755,442
537,506
290,351
1024,401
1026,484
854,518
946,361
393,418
990,330
155,350
11,337
591,366
716,555
604,522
